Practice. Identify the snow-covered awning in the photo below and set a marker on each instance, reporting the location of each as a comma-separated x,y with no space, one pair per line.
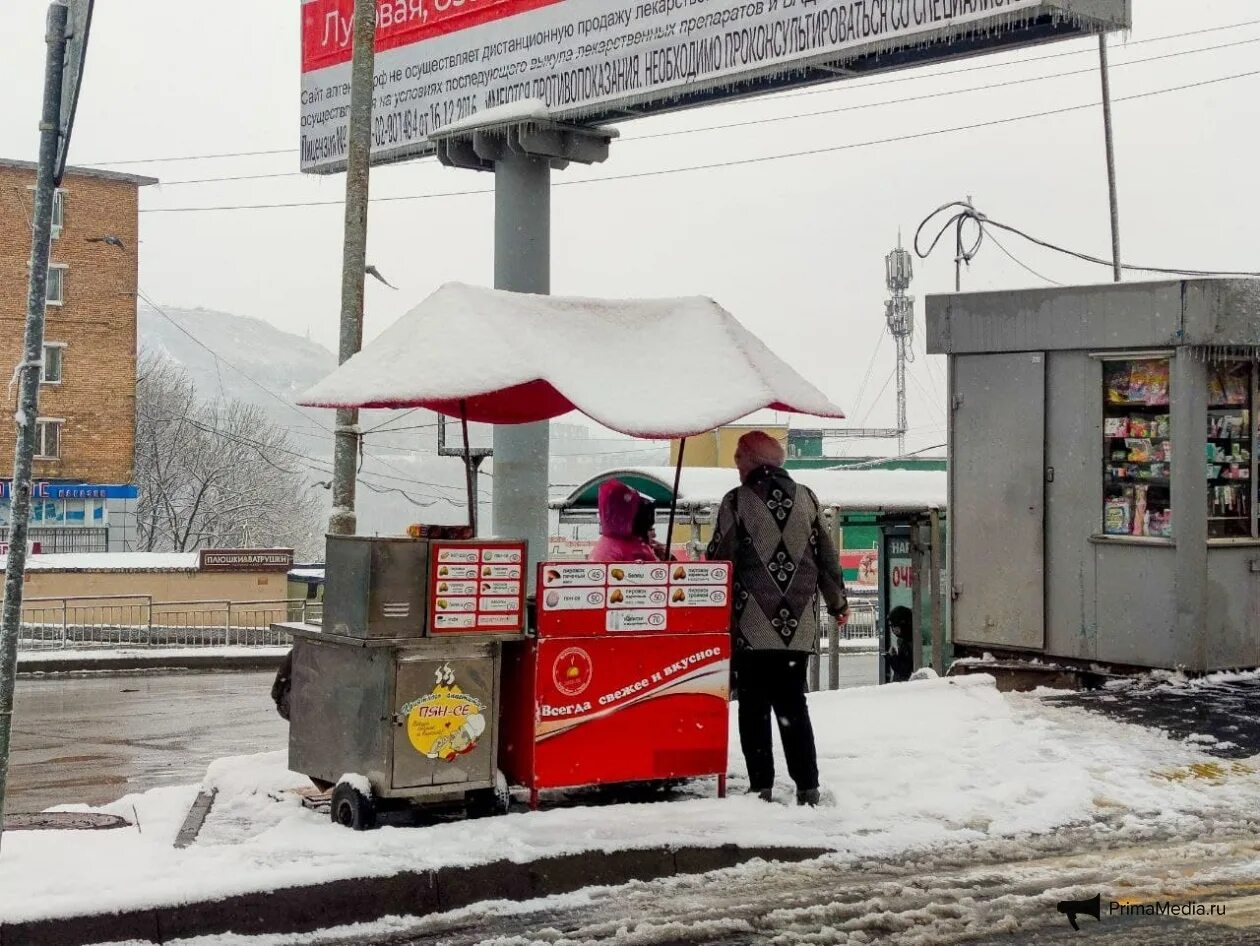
649,368
873,491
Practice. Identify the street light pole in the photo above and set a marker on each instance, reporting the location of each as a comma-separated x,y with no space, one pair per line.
1111,156
28,371
343,520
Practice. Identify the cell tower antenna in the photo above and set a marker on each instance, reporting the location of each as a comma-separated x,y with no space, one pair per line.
899,311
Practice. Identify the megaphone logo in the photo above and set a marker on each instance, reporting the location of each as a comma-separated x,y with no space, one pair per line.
1075,908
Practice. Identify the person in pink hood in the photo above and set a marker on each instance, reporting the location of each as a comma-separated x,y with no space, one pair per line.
618,506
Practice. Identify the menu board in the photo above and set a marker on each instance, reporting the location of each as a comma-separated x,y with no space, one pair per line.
476,587
598,598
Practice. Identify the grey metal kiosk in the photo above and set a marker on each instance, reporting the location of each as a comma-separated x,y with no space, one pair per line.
1102,472
395,698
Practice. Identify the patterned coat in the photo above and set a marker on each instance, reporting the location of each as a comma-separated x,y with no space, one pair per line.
771,529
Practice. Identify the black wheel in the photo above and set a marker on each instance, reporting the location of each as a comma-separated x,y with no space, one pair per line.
352,809
486,802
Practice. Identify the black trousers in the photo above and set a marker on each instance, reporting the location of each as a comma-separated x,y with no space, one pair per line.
770,680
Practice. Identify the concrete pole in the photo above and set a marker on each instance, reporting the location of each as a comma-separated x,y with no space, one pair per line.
522,263
1111,156
343,520
28,371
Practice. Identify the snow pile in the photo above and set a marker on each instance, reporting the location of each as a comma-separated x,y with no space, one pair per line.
514,358
112,562
932,764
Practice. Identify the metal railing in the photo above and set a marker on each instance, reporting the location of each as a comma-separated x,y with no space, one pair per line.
138,621
65,539
858,636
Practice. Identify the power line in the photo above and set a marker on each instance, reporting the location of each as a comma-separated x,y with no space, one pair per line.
968,213
737,162
800,115
857,405
877,397
1020,263
848,85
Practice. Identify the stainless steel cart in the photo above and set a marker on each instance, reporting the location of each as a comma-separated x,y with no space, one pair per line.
395,698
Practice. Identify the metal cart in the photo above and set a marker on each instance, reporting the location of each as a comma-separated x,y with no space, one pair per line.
395,698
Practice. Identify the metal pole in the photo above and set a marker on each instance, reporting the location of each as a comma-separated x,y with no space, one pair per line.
354,259
918,565
673,503
938,606
522,263
28,370
470,471
833,635
901,395
1111,155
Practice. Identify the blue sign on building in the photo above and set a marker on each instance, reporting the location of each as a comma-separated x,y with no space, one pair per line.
46,490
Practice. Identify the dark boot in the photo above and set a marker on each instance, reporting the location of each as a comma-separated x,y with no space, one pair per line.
765,794
809,796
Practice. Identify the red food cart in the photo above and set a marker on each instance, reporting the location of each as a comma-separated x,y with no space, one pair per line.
626,680
624,674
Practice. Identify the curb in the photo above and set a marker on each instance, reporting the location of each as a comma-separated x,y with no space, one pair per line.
192,661
364,899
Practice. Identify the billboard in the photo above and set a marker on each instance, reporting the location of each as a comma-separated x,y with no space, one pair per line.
442,61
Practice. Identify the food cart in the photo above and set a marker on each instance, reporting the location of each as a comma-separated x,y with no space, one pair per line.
623,675
395,697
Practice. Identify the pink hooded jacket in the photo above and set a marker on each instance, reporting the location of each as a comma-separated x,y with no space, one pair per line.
618,504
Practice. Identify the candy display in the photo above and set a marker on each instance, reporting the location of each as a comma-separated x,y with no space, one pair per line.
1137,445
1227,450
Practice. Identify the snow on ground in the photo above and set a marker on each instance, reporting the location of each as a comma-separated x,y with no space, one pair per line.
911,766
109,652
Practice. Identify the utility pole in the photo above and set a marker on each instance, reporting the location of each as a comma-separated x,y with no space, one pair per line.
347,435
1111,156
28,371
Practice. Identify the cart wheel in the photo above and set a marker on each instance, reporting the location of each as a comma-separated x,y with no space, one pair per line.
485,802
351,808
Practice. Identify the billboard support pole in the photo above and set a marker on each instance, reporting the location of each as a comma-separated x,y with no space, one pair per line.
28,370
346,436
522,154
522,263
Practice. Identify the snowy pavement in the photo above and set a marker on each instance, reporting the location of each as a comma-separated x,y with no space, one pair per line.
920,769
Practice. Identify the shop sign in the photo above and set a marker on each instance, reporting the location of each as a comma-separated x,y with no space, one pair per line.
46,490
246,560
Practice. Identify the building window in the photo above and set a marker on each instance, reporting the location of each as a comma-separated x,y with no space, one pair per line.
1229,451
1137,448
48,439
56,293
50,373
59,212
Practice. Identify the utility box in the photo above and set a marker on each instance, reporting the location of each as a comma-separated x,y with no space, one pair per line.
376,588
1102,471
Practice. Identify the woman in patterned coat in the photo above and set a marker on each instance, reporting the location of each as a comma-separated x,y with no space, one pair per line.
771,528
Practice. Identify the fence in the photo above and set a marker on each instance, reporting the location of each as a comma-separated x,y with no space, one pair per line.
68,539
858,638
139,621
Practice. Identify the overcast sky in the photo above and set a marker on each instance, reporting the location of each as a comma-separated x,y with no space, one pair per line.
793,247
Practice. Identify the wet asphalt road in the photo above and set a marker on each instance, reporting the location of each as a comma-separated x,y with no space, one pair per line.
94,738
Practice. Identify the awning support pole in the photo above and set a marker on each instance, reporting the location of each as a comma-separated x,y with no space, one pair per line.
470,471
673,504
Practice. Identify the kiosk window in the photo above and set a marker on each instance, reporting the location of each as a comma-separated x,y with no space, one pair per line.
1137,448
1228,451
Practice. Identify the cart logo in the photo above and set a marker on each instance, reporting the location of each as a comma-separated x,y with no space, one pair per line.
447,722
572,671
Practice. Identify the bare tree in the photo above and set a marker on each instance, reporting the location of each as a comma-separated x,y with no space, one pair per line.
215,474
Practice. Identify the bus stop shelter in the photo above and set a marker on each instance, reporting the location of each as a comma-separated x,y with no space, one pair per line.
907,507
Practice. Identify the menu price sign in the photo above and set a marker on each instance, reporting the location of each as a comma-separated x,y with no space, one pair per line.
593,598
476,586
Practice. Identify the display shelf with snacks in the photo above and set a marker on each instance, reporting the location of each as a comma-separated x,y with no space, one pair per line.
1228,451
1137,448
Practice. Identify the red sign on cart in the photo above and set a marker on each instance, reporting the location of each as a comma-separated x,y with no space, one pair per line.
476,587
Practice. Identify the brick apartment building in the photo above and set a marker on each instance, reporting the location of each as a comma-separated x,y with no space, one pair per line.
85,448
